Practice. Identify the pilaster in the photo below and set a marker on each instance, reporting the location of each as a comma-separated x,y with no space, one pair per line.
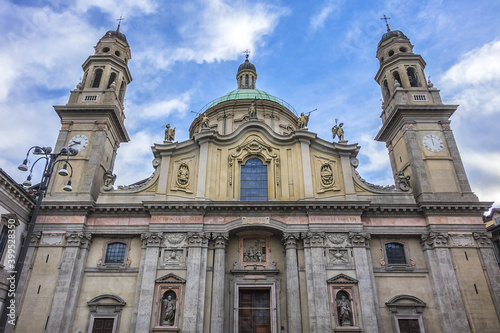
219,279
445,283
483,241
69,281
202,168
294,314
306,168
360,242
151,245
194,298
319,312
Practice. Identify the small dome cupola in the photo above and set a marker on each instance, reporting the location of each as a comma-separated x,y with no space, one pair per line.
246,77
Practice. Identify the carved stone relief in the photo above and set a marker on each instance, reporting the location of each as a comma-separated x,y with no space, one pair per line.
337,238
434,239
176,238
461,240
173,256
338,256
327,174
254,250
183,175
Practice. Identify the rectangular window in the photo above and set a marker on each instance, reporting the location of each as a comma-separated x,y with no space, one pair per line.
408,326
103,325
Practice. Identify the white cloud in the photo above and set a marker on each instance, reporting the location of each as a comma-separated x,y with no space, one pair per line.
318,20
131,158
119,7
163,109
221,32
476,67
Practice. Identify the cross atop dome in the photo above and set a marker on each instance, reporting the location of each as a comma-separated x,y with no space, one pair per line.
246,53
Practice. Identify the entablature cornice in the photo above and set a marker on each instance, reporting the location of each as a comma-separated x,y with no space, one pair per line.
112,112
466,208
403,114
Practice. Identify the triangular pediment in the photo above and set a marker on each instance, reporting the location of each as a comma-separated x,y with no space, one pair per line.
342,279
170,278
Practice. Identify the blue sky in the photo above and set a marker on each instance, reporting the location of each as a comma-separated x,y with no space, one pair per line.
314,55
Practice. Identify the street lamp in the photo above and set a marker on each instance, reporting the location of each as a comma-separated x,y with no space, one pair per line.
51,159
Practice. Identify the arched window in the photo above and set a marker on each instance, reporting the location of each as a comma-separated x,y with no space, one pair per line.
115,253
97,78
396,77
412,77
122,92
246,81
253,87
112,79
395,253
241,81
253,181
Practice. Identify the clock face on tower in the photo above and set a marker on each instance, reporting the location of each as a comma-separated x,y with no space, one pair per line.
433,143
78,142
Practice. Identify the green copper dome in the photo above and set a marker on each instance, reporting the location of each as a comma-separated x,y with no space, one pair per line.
247,94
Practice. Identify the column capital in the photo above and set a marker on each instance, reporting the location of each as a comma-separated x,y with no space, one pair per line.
152,238
220,239
290,239
433,240
82,239
35,238
313,239
197,239
483,239
359,239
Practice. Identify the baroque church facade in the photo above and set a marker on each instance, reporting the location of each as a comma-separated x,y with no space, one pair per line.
257,225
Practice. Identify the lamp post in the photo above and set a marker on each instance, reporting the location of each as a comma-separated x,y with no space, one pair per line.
10,309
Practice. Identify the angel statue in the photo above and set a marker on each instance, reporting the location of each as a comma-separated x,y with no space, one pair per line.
337,130
169,133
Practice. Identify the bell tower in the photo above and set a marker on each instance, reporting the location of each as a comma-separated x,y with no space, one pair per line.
416,125
93,119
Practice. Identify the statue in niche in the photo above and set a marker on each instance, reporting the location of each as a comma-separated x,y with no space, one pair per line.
344,311
204,122
326,175
338,131
169,133
169,307
183,175
252,110
254,250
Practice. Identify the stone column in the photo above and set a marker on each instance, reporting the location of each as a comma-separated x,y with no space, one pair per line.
444,281
294,315
366,281
152,242
421,184
316,281
219,278
483,240
69,281
194,298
